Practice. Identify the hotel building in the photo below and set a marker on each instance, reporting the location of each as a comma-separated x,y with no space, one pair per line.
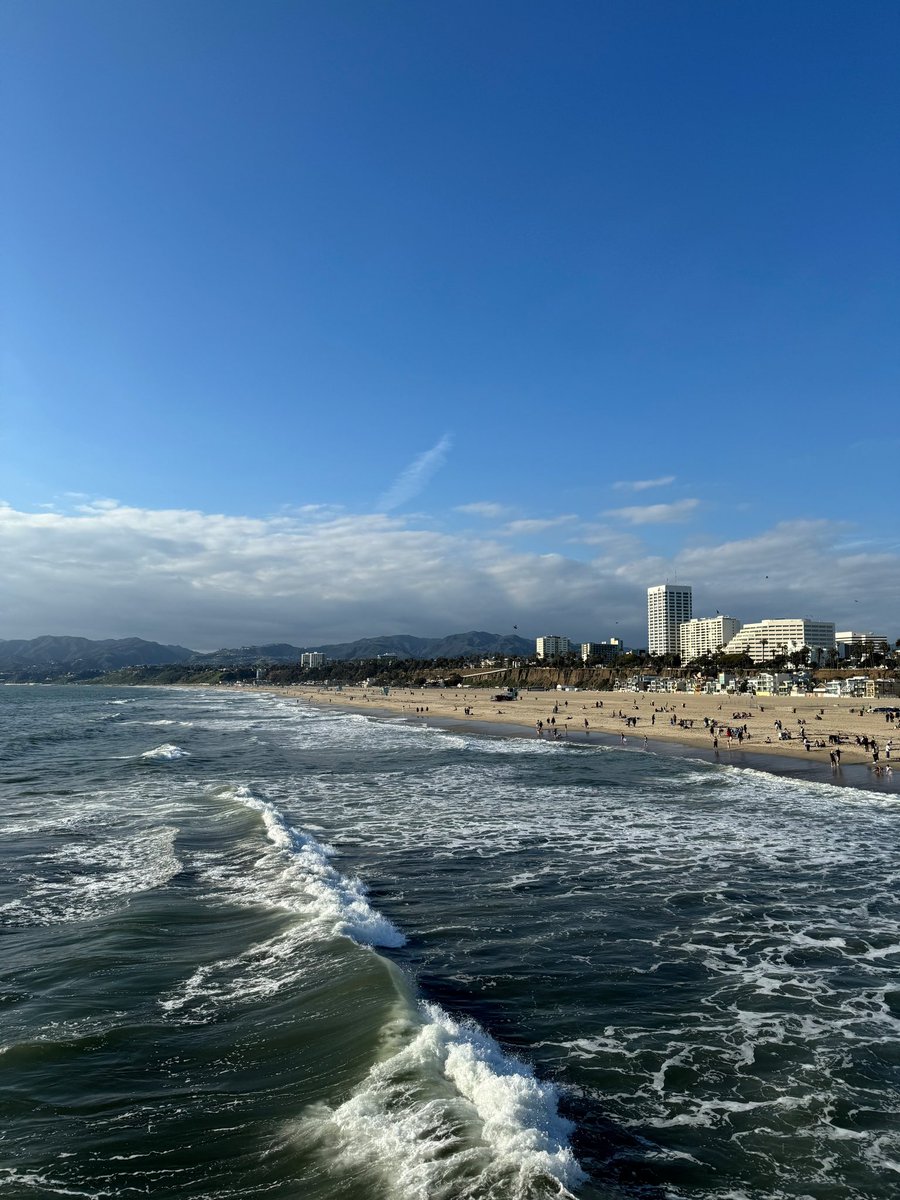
312,658
705,635
602,651
552,646
668,606
763,640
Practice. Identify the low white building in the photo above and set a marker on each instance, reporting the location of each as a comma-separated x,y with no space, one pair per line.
763,640
552,645
854,686
705,635
771,683
849,638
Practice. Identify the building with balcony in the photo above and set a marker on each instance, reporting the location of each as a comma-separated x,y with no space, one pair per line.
602,651
668,606
705,635
552,646
764,640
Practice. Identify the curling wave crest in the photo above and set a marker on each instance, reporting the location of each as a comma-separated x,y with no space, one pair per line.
336,900
450,1115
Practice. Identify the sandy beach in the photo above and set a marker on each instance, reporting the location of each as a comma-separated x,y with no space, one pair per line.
698,721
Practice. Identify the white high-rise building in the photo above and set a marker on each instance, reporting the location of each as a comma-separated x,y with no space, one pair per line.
552,645
668,606
312,658
763,640
705,635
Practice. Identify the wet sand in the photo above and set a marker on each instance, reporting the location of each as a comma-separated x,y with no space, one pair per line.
671,724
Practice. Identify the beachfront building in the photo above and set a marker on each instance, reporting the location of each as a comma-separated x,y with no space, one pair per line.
877,688
763,640
668,606
705,635
312,658
602,651
552,646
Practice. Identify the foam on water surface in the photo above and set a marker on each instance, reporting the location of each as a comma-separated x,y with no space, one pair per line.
168,752
330,897
85,879
705,955
449,1114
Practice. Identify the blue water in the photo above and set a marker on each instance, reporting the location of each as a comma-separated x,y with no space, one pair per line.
254,949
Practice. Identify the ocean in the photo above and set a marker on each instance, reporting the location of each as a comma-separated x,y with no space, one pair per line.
253,949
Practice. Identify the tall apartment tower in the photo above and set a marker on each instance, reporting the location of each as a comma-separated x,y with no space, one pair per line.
668,605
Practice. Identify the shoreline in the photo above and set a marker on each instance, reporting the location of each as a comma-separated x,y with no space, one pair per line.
606,728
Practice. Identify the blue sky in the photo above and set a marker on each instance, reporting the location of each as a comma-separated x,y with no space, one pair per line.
416,317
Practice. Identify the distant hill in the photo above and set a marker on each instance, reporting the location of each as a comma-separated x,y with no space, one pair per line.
403,645
248,656
83,654
57,656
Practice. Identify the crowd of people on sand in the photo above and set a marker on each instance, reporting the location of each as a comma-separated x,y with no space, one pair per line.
737,734
733,733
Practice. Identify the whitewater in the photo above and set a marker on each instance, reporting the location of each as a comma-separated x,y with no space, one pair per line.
295,953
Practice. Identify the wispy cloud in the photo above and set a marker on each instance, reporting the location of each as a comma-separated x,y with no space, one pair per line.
415,477
654,514
642,485
484,508
536,525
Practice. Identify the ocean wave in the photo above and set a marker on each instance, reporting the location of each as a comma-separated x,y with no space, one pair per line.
252,977
333,898
168,752
449,1114
82,881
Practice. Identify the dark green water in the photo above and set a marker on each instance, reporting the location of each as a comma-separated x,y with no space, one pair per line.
252,950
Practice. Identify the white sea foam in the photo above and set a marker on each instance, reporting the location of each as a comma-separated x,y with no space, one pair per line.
450,1114
331,897
88,879
165,753
251,977
42,1186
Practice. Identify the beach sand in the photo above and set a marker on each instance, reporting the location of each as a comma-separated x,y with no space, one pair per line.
608,716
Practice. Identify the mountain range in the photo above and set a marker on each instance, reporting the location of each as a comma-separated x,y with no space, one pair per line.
75,654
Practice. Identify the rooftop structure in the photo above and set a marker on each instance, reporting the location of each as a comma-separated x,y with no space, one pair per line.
668,606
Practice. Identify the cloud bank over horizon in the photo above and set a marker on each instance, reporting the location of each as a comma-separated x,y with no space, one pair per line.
208,580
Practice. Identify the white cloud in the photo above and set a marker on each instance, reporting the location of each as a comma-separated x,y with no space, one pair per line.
654,514
484,508
208,580
535,525
641,485
415,477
